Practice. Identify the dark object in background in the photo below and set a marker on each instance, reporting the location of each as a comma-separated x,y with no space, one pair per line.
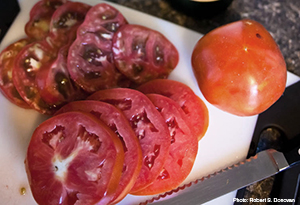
9,9
200,8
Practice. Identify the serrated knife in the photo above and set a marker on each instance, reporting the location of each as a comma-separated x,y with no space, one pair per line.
264,164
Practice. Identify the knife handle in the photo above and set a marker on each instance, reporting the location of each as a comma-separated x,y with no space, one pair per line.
293,156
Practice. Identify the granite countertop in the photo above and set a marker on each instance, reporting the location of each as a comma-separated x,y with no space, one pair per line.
279,17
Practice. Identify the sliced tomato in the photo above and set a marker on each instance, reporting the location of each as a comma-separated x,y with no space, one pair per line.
91,65
103,20
116,120
90,59
149,127
54,83
27,64
7,58
143,54
65,21
194,108
74,158
40,16
183,149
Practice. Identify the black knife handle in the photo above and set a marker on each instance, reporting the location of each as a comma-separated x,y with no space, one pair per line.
293,156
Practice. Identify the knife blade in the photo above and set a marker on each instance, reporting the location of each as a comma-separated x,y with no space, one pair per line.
264,164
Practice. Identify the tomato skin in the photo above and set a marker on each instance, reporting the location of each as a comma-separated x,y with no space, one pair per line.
239,68
73,157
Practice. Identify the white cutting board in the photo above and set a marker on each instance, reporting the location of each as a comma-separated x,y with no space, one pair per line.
226,141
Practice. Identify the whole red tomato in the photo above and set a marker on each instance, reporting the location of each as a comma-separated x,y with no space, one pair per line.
239,68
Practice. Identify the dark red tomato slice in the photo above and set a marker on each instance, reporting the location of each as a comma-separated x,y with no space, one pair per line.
74,158
91,65
103,20
40,16
194,108
65,21
54,83
149,127
90,60
116,120
183,149
143,54
27,64
7,58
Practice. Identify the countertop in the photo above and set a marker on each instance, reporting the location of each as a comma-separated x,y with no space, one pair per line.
279,17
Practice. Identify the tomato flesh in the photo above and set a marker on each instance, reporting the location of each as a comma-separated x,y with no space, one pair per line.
183,149
193,107
40,16
119,124
90,59
73,162
143,54
90,64
26,66
239,68
149,128
102,20
7,58
65,21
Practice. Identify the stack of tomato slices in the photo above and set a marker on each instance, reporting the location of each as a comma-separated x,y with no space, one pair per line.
117,141
72,49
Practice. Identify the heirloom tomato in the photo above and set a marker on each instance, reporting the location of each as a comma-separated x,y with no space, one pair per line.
239,68
74,158
183,148
118,123
149,127
193,107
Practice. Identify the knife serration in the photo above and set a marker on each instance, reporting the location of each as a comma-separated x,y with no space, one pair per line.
261,166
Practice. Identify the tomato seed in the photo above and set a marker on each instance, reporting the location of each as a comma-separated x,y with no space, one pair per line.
23,191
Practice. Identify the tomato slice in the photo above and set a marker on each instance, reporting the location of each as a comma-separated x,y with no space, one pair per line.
91,65
40,16
7,58
90,60
194,108
74,158
103,20
183,149
116,120
143,54
54,83
148,125
65,21
27,64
